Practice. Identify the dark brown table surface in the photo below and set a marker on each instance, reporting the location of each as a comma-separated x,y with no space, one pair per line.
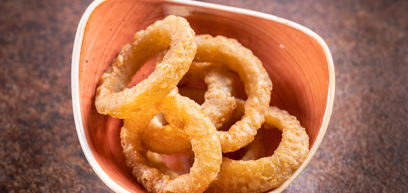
365,148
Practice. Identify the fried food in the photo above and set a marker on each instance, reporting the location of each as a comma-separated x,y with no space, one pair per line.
257,84
219,102
186,114
112,96
268,172
218,106
158,120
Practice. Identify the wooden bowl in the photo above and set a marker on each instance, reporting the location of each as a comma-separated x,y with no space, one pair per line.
298,61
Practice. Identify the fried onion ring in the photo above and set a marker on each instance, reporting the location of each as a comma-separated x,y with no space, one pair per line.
219,102
186,114
112,96
218,105
258,86
269,172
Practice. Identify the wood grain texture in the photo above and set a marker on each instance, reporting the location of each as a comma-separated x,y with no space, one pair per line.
365,148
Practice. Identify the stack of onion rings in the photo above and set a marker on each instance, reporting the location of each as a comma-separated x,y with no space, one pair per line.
158,120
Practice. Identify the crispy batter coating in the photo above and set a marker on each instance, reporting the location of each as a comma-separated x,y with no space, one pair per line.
258,86
218,106
268,172
112,96
183,113
219,102
157,119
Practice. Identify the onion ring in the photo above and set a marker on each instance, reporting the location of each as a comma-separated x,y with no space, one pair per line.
218,106
186,114
269,172
112,96
219,102
258,86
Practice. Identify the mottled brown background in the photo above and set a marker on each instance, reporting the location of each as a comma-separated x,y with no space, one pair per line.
365,148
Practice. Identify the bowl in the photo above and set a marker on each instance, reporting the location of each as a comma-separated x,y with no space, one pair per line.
298,62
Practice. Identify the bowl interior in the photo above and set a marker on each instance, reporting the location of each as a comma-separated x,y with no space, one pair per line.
296,64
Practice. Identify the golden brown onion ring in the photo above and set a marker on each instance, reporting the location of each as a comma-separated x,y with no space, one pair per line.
218,106
112,96
269,172
219,102
258,86
186,114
